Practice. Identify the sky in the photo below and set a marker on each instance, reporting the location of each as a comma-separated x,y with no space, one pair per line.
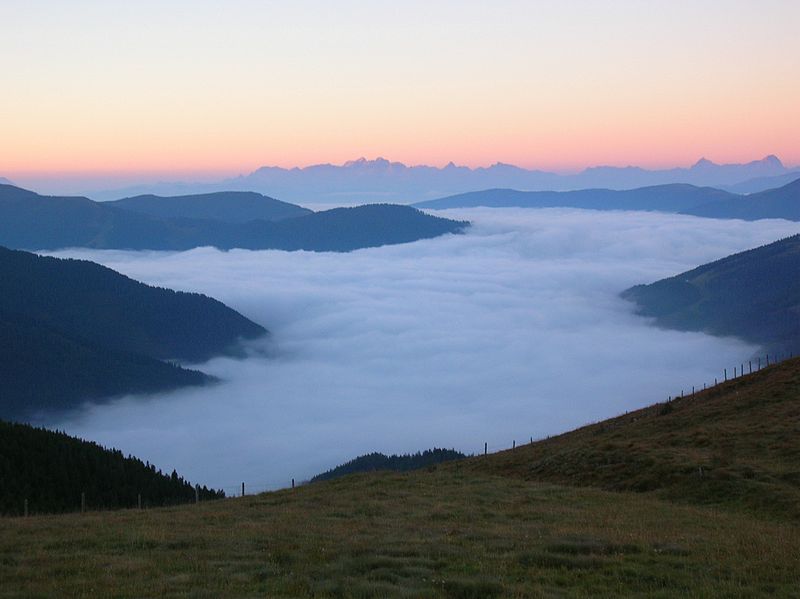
511,331
198,89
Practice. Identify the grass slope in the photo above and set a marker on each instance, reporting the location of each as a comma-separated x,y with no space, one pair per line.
743,434
424,534
482,527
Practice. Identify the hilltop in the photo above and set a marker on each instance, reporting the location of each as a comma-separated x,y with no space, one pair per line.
375,461
229,207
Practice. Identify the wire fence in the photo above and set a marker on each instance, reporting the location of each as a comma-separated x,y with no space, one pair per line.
243,489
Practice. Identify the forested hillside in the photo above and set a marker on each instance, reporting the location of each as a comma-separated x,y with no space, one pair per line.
44,370
398,463
74,331
51,470
753,295
101,306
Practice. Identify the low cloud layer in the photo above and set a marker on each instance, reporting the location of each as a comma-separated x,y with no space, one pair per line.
512,331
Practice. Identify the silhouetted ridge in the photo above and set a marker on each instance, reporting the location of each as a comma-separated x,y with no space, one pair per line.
31,221
782,202
230,206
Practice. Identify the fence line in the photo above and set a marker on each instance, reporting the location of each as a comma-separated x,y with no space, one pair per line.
738,372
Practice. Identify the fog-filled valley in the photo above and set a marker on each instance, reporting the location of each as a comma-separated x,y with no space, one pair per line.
511,331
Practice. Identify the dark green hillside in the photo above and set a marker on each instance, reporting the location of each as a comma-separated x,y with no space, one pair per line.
733,446
754,295
227,206
45,370
91,302
51,470
396,463
74,331
34,222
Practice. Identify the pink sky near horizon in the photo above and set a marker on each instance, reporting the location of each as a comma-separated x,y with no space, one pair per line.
192,90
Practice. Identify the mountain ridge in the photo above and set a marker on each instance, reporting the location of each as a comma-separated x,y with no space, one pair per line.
231,207
35,222
680,198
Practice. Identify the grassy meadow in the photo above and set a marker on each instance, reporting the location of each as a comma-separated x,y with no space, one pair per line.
614,509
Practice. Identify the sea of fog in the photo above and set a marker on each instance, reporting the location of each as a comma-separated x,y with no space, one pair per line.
511,331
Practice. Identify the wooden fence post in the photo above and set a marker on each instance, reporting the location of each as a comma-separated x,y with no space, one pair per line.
242,489
485,448
292,483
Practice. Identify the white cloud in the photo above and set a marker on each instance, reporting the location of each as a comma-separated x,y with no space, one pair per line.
511,331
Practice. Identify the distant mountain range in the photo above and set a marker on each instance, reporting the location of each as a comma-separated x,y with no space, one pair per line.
381,180
753,295
32,221
74,331
783,202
